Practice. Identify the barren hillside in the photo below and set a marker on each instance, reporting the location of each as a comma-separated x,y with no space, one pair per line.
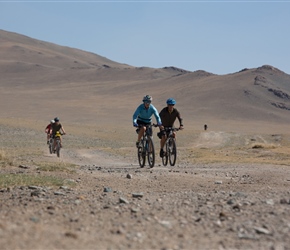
40,80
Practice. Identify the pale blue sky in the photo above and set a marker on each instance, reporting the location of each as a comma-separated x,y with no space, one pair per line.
220,37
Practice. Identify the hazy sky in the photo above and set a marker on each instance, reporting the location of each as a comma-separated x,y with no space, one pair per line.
220,37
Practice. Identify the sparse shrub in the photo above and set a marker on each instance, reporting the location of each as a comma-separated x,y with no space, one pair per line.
263,146
4,159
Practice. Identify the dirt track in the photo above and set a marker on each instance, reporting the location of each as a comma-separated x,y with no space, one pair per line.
108,202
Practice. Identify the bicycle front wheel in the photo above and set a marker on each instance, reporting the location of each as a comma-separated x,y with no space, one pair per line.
58,148
165,155
172,152
150,152
50,146
141,154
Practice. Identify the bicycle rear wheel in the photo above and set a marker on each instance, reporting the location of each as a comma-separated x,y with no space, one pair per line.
172,152
165,155
141,154
150,152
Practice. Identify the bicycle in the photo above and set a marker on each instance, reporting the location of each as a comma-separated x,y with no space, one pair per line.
57,144
170,147
146,147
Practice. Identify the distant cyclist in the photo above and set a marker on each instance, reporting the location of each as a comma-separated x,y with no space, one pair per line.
143,116
168,116
48,130
56,126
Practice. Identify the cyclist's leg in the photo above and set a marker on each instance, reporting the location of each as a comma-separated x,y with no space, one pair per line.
142,128
141,132
174,135
162,143
54,142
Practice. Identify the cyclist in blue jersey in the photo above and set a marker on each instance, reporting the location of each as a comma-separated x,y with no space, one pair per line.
143,116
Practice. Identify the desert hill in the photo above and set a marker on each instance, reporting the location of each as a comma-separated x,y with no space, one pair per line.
40,80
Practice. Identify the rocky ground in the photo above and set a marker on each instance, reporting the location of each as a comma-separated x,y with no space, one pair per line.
105,201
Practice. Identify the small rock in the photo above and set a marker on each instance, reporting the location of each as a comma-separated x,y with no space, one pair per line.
134,210
165,223
270,202
71,235
261,230
23,166
123,200
137,195
107,189
129,176
231,202
37,193
33,187
34,219
58,193
284,201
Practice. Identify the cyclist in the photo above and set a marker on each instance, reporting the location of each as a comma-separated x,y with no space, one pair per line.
168,116
47,130
56,126
143,116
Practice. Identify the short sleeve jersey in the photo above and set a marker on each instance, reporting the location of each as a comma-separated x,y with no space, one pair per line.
168,118
55,127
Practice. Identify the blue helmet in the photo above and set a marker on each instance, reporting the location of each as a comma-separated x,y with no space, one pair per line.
171,101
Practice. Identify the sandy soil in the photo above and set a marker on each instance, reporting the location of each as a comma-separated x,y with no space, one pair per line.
214,198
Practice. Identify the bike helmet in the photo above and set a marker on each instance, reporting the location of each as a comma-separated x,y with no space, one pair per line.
52,121
147,98
56,119
171,101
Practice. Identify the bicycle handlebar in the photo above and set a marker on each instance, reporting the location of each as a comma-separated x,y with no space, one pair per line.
148,125
171,129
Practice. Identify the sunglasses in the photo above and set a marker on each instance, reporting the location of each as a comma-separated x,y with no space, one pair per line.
147,102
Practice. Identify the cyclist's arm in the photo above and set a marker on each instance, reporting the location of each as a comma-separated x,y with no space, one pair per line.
180,120
157,117
63,131
47,129
135,115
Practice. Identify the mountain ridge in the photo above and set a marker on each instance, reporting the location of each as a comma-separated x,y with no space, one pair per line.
84,84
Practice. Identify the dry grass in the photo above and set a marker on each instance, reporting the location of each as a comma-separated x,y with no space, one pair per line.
12,180
56,167
5,160
257,153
